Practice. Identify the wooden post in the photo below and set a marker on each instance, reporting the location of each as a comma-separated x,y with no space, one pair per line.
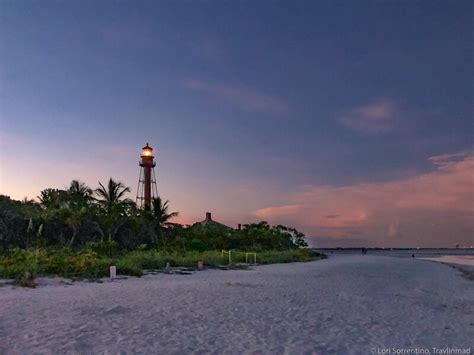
200,265
113,272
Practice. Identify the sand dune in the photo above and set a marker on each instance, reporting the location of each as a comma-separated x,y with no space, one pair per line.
344,305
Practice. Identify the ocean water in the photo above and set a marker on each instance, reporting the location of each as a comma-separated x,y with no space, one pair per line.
401,253
461,257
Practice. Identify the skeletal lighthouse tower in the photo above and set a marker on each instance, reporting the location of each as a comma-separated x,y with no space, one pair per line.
146,180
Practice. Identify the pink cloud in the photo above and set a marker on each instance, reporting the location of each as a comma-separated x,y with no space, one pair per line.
243,97
373,118
393,229
447,160
278,211
427,208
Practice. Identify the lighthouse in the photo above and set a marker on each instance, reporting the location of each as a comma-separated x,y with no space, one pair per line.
146,181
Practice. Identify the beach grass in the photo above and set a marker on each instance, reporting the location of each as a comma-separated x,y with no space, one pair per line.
88,264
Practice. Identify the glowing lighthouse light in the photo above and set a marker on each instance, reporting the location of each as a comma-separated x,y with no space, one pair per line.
147,151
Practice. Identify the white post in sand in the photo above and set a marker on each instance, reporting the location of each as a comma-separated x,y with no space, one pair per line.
113,272
200,265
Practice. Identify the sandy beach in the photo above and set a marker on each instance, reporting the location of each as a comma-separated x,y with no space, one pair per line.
453,259
347,304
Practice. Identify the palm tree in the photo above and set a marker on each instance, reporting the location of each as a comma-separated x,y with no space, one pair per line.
112,198
80,191
114,204
160,217
160,211
50,198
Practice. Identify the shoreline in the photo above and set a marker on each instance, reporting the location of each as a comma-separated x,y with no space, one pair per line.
452,259
466,269
464,262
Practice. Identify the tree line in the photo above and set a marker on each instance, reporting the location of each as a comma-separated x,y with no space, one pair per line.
79,216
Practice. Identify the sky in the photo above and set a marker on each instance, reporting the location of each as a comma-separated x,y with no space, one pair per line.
350,120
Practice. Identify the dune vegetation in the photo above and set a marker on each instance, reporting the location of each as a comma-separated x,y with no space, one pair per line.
80,232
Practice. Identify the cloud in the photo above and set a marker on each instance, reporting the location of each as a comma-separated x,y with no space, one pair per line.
392,229
240,96
447,160
373,118
277,211
426,209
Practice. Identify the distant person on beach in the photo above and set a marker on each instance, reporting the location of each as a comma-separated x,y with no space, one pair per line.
412,255
364,251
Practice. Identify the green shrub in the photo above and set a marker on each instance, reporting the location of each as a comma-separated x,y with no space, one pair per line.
287,256
61,262
127,266
140,260
105,248
89,264
195,245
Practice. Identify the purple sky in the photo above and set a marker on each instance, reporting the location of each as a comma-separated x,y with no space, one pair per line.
350,120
